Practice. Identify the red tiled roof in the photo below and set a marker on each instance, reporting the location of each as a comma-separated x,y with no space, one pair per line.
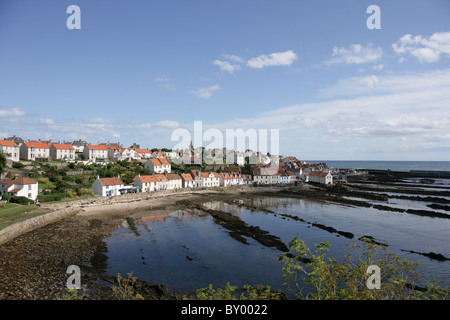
156,162
19,181
160,177
148,179
7,143
187,177
111,181
97,147
142,151
38,145
173,176
164,161
62,146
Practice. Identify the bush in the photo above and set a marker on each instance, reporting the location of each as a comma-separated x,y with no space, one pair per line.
52,197
21,200
6,197
326,278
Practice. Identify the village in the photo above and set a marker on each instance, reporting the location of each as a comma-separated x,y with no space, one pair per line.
162,169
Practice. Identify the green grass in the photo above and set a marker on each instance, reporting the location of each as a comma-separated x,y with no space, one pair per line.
12,213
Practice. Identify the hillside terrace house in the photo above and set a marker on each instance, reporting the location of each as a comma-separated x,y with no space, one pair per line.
10,149
188,180
143,153
35,151
107,186
79,146
160,165
95,152
64,152
147,183
158,154
21,187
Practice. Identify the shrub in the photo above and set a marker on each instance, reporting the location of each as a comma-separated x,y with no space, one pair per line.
325,278
6,197
21,200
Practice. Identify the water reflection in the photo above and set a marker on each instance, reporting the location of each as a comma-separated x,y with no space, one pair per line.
187,249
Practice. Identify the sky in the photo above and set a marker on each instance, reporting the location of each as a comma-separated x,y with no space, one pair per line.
141,71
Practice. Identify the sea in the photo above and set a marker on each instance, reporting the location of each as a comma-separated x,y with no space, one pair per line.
404,166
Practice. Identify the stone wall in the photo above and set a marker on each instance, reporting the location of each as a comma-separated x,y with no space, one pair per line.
10,232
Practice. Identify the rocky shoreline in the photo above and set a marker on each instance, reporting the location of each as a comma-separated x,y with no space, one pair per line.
33,265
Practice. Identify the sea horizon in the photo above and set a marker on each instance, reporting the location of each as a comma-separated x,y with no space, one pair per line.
395,165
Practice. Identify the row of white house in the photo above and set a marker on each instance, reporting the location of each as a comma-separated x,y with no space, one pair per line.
40,151
169,181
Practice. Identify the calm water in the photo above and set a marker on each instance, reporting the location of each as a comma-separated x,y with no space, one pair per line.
385,165
187,250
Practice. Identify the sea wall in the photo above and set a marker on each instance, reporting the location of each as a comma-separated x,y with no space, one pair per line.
19,228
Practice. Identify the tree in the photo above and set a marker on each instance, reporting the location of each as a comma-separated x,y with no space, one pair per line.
2,162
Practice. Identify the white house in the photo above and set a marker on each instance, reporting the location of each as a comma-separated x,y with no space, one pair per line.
322,177
158,154
210,179
230,179
22,187
79,145
160,165
188,180
62,152
247,179
95,152
292,176
10,149
284,177
175,181
266,174
163,182
147,183
196,175
107,186
143,153
36,151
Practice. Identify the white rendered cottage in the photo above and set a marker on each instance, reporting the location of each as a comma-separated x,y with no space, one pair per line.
62,152
107,186
95,152
160,165
36,151
147,183
10,149
21,187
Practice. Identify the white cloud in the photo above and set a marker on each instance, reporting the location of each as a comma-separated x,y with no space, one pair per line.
370,81
356,53
232,57
162,79
167,124
206,93
46,121
285,58
226,66
6,112
424,49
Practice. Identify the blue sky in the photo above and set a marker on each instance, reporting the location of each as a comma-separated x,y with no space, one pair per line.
138,70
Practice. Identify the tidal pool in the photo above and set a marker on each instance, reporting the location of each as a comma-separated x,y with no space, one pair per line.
187,250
